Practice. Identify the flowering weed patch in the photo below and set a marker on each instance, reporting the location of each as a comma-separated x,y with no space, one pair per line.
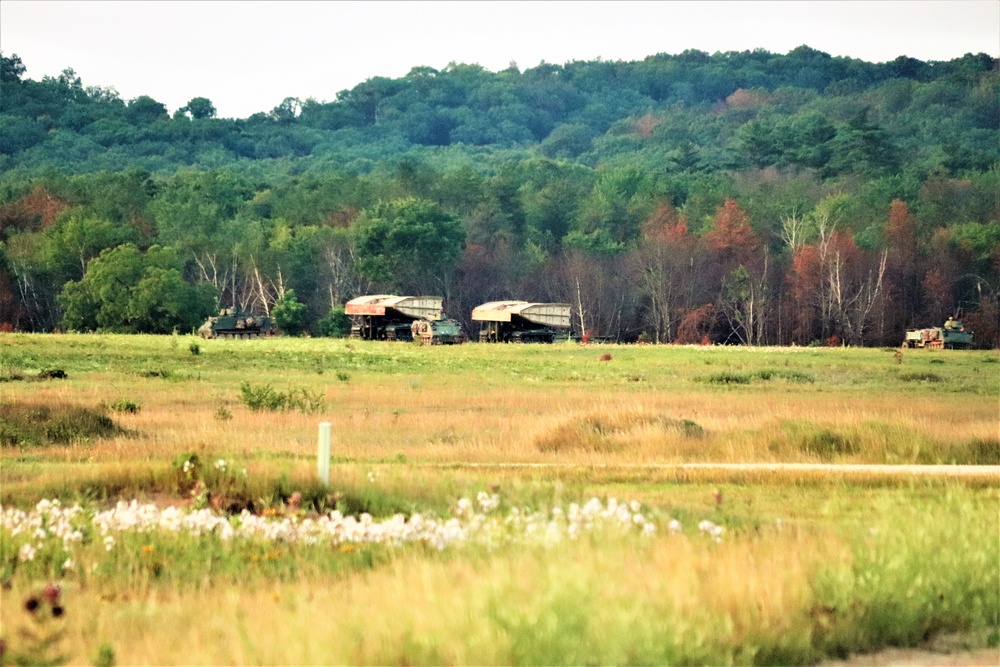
52,539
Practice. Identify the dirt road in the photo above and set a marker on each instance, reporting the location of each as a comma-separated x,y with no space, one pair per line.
849,469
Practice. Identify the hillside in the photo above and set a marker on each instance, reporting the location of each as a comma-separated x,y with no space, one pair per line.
734,197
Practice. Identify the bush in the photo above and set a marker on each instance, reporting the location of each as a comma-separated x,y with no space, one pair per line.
335,324
290,314
124,405
265,397
37,425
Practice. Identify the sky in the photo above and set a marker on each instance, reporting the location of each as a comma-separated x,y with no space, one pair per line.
249,56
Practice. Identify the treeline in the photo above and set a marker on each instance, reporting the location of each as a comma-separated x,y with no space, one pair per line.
735,198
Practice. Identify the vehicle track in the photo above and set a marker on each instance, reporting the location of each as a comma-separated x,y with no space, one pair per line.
860,469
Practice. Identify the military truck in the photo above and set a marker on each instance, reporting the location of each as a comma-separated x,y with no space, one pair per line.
234,323
445,331
390,317
952,336
522,322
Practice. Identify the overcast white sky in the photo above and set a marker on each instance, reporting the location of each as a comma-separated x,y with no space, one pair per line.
248,56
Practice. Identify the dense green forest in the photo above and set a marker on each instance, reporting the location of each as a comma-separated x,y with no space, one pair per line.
739,197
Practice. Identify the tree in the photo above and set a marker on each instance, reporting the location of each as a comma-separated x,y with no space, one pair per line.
128,291
408,243
902,279
200,108
732,240
336,323
77,238
11,69
287,111
289,314
665,264
743,303
144,110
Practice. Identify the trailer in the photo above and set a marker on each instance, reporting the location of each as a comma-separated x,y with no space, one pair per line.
522,322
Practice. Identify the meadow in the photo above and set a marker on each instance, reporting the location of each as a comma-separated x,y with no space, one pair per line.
490,504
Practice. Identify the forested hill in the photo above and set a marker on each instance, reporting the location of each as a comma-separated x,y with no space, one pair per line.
692,111
735,197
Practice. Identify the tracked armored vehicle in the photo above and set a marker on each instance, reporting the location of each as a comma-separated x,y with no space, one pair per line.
233,323
952,335
391,317
522,322
445,331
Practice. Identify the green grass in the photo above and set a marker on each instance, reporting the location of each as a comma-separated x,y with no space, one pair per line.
34,425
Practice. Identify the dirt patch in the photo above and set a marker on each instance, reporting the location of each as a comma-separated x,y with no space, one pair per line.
945,651
987,657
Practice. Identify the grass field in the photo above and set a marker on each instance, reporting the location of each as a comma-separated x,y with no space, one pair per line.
388,564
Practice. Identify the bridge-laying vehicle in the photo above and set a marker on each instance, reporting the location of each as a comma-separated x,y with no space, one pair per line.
522,322
391,317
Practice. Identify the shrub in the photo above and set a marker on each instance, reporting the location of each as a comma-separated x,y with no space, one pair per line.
609,433
335,324
36,425
265,397
124,405
920,377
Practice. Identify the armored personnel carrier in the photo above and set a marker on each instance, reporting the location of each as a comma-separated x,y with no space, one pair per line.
445,331
522,322
232,323
390,317
952,335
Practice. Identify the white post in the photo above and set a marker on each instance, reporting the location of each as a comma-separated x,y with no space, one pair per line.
323,455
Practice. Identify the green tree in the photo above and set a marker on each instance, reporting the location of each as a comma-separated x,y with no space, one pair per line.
144,110
408,243
335,324
290,314
128,291
200,108
77,238
11,69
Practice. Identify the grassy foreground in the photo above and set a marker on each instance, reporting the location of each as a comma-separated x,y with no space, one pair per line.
702,568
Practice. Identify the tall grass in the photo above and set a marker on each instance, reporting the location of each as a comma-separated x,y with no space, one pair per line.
855,563
778,594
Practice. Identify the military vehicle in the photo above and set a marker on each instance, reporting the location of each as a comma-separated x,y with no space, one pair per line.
445,331
391,317
522,322
952,336
233,323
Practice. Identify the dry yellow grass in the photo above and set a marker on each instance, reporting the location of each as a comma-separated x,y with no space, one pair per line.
459,611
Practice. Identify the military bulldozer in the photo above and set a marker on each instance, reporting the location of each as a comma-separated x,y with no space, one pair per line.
522,322
391,317
233,323
952,335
